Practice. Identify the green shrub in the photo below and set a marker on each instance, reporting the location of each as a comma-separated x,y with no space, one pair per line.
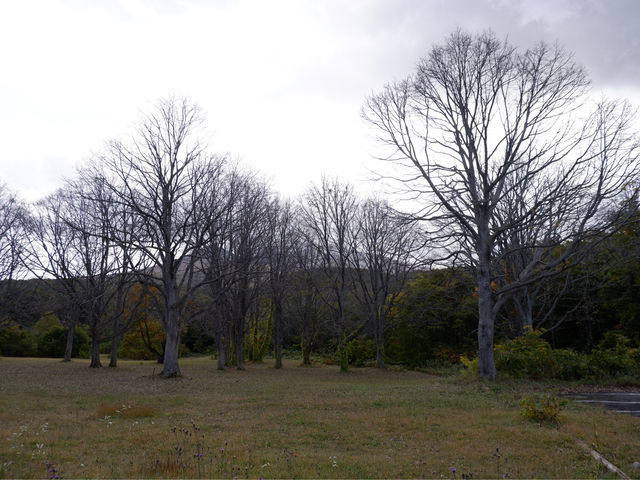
45,324
145,341
470,366
614,358
362,352
198,340
612,363
546,409
568,365
54,343
613,340
16,341
529,356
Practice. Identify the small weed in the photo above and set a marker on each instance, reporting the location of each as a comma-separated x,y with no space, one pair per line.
52,471
470,366
186,455
543,410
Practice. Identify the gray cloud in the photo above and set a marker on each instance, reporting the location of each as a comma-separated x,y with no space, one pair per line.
298,69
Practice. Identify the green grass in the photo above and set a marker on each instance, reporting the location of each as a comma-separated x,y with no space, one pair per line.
295,422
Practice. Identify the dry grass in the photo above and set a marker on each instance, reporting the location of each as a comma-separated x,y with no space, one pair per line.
294,422
123,410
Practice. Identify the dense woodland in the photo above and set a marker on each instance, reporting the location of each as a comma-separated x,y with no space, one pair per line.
524,236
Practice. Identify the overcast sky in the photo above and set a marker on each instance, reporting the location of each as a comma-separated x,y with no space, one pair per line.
282,82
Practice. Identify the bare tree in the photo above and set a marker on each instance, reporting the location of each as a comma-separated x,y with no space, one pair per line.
247,266
164,176
387,251
106,272
70,251
54,255
480,117
328,215
279,256
12,240
308,311
234,260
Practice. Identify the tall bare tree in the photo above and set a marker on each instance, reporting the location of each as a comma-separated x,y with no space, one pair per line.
308,311
233,258
12,241
106,266
164,176
54,254
387,250
247,262
279,257
480,117
328,217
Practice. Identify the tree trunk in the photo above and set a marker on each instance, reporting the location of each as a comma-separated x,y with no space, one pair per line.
95,352
278,354
277,334
528,313
380,343
172,325
486,364
238,346
221,350
343,353
72,328
306,353
170,367
115,342
523,312
228,358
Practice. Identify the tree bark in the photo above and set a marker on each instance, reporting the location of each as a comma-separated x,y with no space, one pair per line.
72,328
173,329
95,353
343,353
172,323
306,353
277,334
115,342
380,344
170,367
486,320
238,346
226,345
221,351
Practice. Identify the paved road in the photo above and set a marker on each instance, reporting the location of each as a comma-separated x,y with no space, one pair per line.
623,402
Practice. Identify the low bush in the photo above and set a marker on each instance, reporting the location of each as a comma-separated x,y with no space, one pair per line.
362,352
568,365
614,357
546,409
615,341
470,366
612,363
16,341
45,324
54,343
530,356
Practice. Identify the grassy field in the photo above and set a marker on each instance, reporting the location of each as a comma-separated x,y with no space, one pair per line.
66,420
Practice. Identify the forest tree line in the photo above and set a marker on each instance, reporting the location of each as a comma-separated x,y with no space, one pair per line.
526,218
